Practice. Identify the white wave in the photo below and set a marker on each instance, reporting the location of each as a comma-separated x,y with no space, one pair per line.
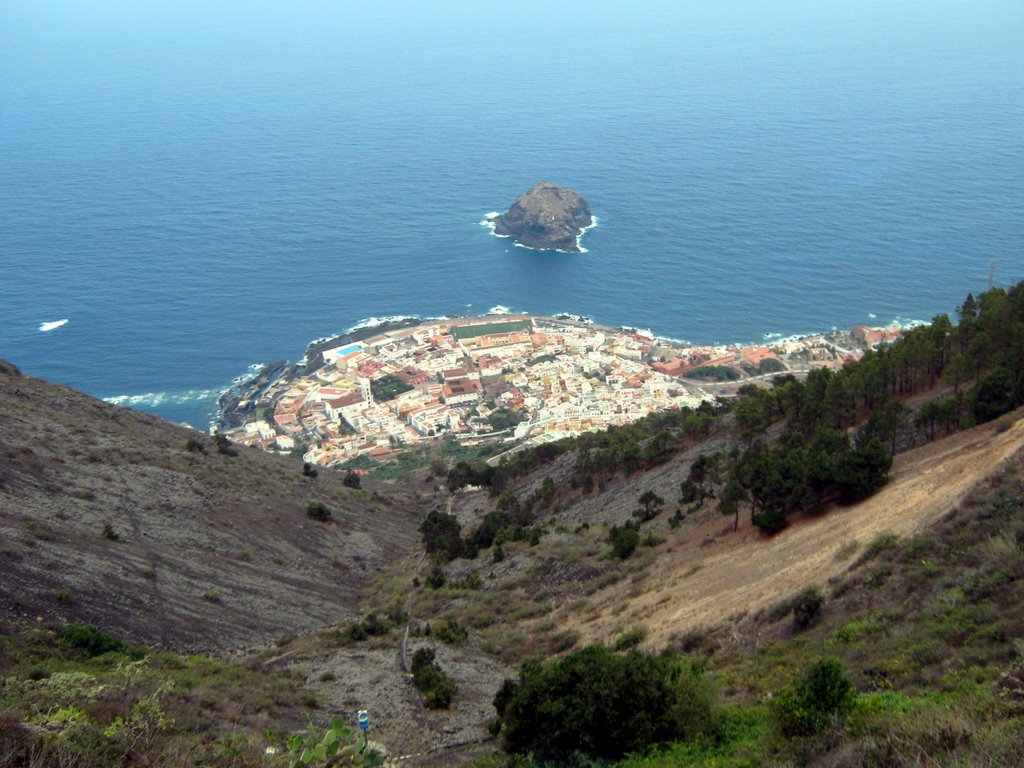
156,399
571,316
872,315
488,221
498,310
673,341
645,332
373,322
251,373
52,325
906,323
593,223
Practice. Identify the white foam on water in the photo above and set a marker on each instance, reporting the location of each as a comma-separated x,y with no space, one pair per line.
593,223
498,309
488,221
373,322
645,332
157,399
52,325
906,323
674,341
251,373
571,316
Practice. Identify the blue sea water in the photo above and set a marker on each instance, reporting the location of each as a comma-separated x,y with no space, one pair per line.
201,186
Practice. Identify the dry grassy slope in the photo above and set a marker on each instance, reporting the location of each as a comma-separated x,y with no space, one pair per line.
696,583
215,551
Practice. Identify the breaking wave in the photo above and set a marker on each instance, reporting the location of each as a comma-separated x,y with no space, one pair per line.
157,399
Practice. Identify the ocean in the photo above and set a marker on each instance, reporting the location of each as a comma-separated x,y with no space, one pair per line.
199,187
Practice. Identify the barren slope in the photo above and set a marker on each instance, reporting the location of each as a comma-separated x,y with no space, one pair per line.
106,516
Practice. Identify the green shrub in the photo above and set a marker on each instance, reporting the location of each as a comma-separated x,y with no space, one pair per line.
337,747
318,511
436,578
770,521
224,445
604,705
883,542
90,640
807,607
430,680
624,541
823,697
630,638
452,632
471,581
442,535
375,626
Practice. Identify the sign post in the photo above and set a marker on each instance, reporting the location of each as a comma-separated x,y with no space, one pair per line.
363,717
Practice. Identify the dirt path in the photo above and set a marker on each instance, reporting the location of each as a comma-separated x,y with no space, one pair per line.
693,584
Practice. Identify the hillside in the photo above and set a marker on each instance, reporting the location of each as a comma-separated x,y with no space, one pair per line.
147,529
164,536
706,574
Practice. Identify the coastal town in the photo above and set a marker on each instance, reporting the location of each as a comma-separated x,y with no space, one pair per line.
512,379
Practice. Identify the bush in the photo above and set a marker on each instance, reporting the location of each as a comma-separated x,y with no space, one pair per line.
318,511
630,638
442,534
770,521
224,445
376,626
351,480
624,541
436,578
452,632
604,705
91,641
430,680
338,746
807,607
492,524
192,445
825,696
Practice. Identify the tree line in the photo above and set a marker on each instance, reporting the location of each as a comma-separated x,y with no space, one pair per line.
839,429
815,461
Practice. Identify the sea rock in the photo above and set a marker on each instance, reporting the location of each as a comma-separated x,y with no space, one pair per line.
546,217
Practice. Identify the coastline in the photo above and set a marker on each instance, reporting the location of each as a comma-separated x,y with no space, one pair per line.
390,384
